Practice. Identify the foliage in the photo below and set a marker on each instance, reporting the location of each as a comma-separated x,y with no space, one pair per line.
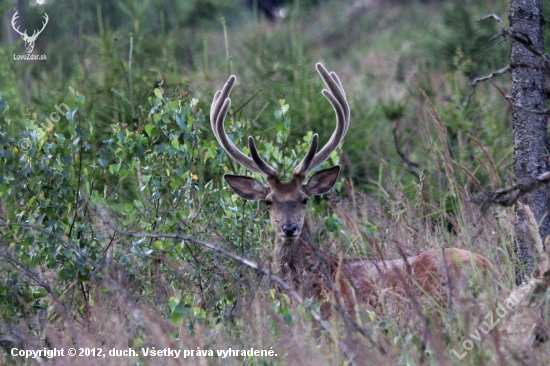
462,35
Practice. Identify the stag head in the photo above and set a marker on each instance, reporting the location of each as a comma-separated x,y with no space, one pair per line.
29,40
286,200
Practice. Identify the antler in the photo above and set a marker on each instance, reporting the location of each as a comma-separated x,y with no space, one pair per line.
35,34
13,19
218,111
335,95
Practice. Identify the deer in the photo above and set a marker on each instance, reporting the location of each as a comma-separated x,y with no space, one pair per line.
29,40
378,284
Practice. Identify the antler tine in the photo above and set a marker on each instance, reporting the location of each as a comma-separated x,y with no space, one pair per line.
337,79
218,110
219,99
332,81
337,98
302,168
214,113
266,169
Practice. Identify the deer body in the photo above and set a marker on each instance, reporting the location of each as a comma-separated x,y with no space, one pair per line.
380,285
375,283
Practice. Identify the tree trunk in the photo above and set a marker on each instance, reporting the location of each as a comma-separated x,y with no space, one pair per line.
530,129
9,34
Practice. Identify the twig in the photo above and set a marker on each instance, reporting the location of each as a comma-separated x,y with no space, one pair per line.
540,111
337,305
492,16
510,195
40,281
505,96
482,79
284,285
525,41
522,38
402,155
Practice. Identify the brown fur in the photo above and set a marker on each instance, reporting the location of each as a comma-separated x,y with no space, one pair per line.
382,286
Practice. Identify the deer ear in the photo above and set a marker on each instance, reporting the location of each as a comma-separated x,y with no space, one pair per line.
322,181
246,187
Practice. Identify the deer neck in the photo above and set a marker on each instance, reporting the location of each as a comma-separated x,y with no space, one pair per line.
292,254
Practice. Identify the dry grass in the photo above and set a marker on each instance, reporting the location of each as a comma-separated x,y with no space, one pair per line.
117,316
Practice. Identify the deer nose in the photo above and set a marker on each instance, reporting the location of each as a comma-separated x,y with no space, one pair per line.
290,230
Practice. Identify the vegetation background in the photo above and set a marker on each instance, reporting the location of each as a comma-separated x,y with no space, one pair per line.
134,155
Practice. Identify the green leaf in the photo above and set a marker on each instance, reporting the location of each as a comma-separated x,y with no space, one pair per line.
175,318
31,201
173,302
114,168
80,99
149,129
180,121
70,115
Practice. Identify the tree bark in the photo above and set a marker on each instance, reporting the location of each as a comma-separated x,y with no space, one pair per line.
530,129
8,33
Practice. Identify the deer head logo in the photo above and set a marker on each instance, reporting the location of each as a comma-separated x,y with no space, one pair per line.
29,40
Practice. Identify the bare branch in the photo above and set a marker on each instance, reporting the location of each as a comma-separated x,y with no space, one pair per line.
510,195
42,282
284,285
519,37
482,79
410,164
539,66
492,16
536,111
508,98
527,43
